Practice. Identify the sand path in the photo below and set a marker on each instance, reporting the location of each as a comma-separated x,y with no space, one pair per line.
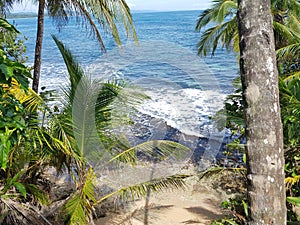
197,204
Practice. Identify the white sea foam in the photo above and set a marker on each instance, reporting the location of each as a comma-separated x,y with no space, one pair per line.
187,110
173,99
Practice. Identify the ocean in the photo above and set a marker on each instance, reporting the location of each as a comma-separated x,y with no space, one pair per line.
185,90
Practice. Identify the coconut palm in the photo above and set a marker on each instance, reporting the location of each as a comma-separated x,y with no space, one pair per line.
223,14
74,126
6,6
105,13
34,137
224,30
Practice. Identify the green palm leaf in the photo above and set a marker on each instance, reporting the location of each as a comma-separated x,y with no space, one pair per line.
220,10
75,71
141,190
289,52
228,7
222,13
107,13
92,108
78,209
284,34
292,76
210,39
293,22
5,25
151,150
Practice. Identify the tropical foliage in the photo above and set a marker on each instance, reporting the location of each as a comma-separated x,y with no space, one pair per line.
219,23
225,32
224,29
84,199
37,134
106,13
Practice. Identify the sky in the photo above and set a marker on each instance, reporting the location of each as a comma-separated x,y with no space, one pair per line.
168,5
155,5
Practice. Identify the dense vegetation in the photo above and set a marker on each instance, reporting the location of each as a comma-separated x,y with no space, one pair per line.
224,32
36,137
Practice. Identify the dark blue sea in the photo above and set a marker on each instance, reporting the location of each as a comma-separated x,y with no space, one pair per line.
185,89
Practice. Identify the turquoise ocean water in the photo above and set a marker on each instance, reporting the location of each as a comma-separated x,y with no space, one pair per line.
185,89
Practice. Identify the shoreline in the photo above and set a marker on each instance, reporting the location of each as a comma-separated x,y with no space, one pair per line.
147,128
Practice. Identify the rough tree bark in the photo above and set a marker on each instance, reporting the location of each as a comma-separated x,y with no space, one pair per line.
264,149
38,47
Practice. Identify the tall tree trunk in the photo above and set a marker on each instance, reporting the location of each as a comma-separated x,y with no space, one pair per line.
38,47
265,155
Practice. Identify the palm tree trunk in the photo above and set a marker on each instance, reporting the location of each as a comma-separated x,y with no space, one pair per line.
38,46
265,154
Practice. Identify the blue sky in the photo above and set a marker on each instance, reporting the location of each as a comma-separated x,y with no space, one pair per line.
168,5
157,5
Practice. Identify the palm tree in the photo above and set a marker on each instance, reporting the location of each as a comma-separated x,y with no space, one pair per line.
223,14
38,144
259,75
105,12
224,30
6,6
33,137
74,127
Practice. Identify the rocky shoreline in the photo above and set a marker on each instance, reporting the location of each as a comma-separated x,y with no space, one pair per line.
207,148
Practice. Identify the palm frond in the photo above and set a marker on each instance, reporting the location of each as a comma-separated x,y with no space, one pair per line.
62,138
294,87
293,22
284,35
216,171
230,36
93,107
20,213
288,52
107,13
211,37
126,17
141,190
286,29
60,11
115,102
203,19
6,26
79,106
292,76
228,7
75,71
31,100
38,194
236,43
151,150
220,10
94,30
78,209
289,6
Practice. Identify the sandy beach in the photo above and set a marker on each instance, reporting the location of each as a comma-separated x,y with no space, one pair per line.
196,204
